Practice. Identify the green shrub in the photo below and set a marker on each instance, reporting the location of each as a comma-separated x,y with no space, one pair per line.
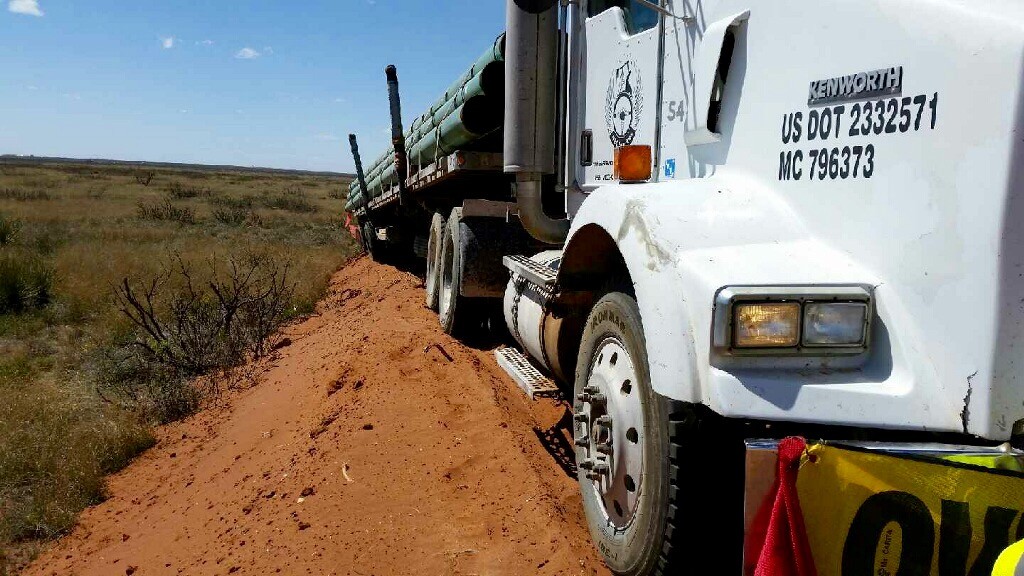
26,282
237,216
9,229
166,211
181,191
291,199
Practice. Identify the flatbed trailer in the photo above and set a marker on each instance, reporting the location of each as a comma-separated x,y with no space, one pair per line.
460,165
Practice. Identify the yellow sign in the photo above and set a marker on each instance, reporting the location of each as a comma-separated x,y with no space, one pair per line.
869,514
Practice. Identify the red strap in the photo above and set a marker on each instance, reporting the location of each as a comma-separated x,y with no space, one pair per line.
350,226
778,539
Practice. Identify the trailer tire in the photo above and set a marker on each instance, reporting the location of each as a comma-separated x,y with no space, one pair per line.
374,247
453,308
648,513
435,242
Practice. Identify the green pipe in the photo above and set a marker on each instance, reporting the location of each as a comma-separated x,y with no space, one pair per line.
470,108
477,117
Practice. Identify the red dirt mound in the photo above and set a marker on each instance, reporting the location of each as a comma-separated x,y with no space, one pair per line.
373,444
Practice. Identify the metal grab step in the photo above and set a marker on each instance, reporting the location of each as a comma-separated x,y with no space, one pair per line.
525,373
531,270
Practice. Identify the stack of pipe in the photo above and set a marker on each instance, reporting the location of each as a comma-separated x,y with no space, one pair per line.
471,108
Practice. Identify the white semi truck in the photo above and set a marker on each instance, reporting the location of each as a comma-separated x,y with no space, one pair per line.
726,220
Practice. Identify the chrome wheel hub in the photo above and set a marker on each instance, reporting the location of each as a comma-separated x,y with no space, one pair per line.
609,432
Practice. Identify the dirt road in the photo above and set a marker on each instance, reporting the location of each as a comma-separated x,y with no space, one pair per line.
373,444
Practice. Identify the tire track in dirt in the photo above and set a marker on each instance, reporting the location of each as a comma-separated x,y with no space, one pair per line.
363,450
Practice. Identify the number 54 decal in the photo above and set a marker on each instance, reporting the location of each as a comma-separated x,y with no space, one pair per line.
676,111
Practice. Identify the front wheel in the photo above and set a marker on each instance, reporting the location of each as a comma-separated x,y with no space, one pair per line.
658,498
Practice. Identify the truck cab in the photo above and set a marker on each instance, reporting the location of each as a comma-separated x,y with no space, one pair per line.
799,157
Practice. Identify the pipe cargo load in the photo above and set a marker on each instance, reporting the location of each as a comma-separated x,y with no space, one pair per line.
469,110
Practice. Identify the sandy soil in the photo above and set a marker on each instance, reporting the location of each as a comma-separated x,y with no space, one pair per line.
372,444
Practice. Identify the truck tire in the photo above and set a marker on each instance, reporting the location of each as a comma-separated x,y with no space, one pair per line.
452,306
434,245
640,508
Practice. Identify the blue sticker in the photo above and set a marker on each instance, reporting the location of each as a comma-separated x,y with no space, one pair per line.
670,168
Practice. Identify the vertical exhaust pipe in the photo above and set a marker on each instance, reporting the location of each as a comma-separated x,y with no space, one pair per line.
360,175
397,132
531,94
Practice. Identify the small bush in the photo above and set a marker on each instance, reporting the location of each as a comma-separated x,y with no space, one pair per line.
180,191
237,217
144,177
9,230
23,195
291,199
168,212
184,329
233,202
26,283
156,392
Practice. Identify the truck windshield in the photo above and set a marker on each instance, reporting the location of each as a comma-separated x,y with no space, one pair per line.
639,16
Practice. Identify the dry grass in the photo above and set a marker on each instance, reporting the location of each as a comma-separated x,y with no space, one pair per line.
75,232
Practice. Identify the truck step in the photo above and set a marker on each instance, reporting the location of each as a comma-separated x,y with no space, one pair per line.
525,373
531,270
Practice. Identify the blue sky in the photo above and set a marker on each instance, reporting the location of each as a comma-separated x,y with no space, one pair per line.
270,83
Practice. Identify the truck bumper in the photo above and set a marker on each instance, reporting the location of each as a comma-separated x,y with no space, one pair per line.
849,497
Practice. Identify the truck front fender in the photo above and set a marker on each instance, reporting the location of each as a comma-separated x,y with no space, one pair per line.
681,242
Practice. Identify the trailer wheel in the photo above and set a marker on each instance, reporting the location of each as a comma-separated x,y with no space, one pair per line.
374,247
452,306
434,267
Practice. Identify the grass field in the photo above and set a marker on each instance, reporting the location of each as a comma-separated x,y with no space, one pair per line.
82,384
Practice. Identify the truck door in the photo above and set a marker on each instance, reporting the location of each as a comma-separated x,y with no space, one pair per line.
620,83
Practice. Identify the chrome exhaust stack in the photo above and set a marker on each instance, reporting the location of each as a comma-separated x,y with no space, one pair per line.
531,110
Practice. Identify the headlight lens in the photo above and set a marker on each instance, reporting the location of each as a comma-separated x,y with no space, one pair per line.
835,323
767,325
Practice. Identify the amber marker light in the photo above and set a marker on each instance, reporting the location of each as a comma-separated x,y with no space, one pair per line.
633,163
767,325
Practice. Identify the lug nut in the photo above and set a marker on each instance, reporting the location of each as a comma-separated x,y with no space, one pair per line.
587,465
583,442
601,468
591,389
605,448
582,418
598,398
584,397
605,421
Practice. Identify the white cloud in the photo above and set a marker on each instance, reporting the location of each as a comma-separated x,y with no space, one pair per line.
168,42
247,54
205,43
29,7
